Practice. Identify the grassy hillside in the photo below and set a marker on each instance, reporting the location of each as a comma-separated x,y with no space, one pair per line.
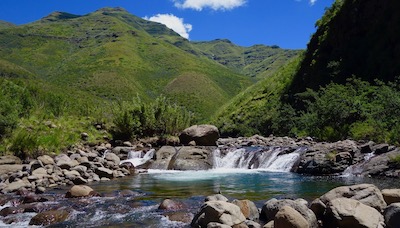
345,85
258,61
114,55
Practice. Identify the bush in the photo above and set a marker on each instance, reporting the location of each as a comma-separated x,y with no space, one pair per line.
25,145
141,119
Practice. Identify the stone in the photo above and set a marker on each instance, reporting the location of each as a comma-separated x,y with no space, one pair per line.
217,225
219,212
84,136
104,172
366,148
168,204
381,148
216,197
11,210
10,160
179,216
288,217
203,135
49,217
14,186
4,169
248,208
113,158
191,158
272,206
46,160
391,195
80,191
392,215
252,224
367,194
40,172
80,168
270,224
346,212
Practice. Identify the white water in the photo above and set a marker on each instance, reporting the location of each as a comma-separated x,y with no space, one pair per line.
135,157
267,159
357,169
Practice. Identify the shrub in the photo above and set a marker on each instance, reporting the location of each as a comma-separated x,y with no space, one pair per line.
25,145
141,119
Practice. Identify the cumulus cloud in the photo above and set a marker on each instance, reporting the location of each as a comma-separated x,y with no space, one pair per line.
213,4
172,22
312,2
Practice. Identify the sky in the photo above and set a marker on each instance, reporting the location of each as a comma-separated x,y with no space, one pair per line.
286,23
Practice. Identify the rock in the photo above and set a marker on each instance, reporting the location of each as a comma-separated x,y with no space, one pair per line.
4,169
49,217
248,208
203,135
392,215
179,216
10,211
46,160
367,194
113,158
168,204
366,148
80,168
345,212
252,224
217,225
14,186
104,172
381,148
122,149
80,191
40,172
192,158
10,160
216,197
288,217
84,136
271,207
163,157
219,212
391,195
270,224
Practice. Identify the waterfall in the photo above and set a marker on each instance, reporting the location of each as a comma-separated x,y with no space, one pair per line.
357,169
270,158
135,157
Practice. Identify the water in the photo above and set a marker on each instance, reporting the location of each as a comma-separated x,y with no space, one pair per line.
257,174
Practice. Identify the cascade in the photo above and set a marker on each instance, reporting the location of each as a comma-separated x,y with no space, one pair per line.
270,158
135,157
357,169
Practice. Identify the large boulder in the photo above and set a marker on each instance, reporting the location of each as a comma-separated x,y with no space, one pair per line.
49,217
202,135
367,194
248,208
271,207
80,191
219,212
391,195
182,158
345,212
192,158
288,217
392,215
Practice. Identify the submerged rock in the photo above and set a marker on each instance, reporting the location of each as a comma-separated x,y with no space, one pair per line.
49,217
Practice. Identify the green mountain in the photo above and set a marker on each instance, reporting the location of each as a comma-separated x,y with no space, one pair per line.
258,61
330,91
113,55
5,24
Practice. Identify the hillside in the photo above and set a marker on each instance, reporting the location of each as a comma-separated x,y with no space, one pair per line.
113,55
345,85
258,61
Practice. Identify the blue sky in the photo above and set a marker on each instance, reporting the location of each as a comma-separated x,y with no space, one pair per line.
287,23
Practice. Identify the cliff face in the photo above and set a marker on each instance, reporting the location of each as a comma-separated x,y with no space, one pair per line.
355,37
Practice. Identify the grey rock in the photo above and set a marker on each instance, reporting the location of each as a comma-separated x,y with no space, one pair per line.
392,215
46,160
203,135
216,197
220,212
104,172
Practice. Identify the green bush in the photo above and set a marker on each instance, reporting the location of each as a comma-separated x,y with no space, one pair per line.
25,145
142,119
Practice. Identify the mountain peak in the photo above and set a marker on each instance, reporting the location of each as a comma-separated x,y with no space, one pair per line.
57,15
111,10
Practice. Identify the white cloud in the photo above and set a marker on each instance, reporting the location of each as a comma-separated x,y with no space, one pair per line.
312,2
213,4
172,22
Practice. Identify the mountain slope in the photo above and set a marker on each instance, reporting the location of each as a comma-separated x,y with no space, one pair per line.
114,55
355,38
258,61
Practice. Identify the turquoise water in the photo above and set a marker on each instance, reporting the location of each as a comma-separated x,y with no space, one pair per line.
190,188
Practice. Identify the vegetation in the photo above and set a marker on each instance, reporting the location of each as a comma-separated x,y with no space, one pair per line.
141,119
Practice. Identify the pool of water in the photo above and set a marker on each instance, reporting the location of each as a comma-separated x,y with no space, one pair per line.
190,188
